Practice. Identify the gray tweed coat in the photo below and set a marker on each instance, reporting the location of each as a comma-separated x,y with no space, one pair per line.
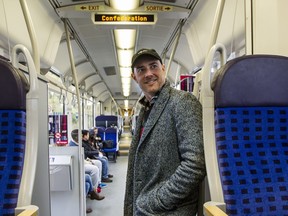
166,165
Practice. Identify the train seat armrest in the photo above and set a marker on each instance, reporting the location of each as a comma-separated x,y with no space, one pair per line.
30,210
214,209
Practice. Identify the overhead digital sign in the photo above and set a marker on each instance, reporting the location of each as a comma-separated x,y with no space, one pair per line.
133,19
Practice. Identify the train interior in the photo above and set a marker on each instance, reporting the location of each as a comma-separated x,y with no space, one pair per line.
66,64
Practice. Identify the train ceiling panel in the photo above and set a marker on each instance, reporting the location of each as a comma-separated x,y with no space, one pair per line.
96,41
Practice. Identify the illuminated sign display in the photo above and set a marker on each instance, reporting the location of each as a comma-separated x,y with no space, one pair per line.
158,8
89,7
134,19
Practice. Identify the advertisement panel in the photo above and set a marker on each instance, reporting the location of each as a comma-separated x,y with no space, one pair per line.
58,130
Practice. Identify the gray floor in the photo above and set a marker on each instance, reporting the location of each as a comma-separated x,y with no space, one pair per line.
113,203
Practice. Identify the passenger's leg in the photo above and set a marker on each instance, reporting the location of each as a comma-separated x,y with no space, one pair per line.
93,171
87,186
104,167
105,173
107,162
87,189
92,191
99,165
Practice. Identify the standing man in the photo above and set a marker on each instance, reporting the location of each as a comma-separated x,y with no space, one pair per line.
166,158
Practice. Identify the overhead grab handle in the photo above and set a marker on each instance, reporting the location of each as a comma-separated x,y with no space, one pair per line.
28,176
206,71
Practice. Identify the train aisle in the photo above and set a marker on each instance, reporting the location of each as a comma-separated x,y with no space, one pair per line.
113,203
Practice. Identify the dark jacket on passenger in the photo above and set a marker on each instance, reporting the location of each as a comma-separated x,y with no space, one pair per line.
166,165
89,150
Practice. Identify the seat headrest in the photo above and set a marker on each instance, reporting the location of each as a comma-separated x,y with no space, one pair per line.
13,87
254,80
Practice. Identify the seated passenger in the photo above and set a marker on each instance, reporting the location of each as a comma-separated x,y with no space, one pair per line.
95,169
95,139
93,154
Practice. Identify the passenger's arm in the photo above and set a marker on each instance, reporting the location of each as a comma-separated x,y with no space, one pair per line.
90,153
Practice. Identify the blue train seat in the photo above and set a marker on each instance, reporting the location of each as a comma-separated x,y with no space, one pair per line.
14,87
250,147
99,122
111,134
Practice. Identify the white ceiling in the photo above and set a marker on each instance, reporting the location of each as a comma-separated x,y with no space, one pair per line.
93,45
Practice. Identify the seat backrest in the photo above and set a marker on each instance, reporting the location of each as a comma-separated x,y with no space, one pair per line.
100,121
106,121
112,120
251,133
13,89
112,134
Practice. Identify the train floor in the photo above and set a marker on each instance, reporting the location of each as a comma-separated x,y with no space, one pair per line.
113,203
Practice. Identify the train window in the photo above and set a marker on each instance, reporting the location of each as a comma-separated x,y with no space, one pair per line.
88,111
55,102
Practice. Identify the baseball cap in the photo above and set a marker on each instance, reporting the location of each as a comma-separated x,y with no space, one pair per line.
142,52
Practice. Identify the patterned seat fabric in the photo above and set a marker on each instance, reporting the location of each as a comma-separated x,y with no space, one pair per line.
13,89
252,148
251,132
12,148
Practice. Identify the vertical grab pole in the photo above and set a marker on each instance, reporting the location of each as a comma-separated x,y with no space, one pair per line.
216,23
32,34
174,50
81,162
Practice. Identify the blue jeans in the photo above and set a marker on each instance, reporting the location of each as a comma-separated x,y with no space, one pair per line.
105,168
88,184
